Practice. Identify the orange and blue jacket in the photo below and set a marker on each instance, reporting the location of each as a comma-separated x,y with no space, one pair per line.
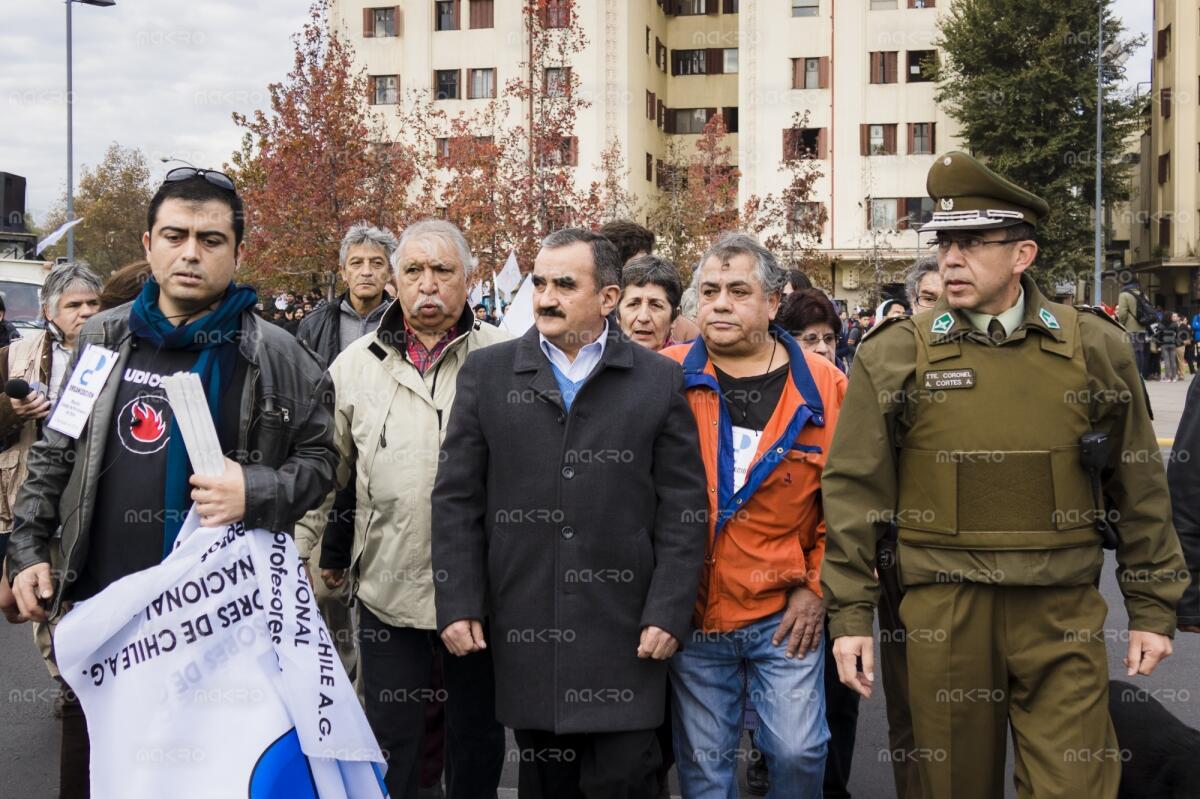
768,536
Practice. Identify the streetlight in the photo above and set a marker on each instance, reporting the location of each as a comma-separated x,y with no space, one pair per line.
71,126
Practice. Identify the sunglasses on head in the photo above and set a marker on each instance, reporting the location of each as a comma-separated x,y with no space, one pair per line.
218,179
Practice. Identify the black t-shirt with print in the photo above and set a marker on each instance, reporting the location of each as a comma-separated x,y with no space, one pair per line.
751,401
126,533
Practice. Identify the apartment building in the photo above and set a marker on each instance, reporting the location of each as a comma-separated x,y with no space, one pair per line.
1165,234
655,71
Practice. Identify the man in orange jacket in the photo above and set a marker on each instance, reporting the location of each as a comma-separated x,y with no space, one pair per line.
765,411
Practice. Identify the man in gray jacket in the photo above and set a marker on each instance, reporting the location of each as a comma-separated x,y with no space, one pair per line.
119,489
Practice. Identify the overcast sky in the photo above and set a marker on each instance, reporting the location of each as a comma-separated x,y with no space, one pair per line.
165,76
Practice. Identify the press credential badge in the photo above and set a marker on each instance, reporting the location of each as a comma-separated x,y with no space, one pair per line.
75,405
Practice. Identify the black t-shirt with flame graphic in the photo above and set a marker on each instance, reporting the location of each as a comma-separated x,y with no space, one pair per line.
127,524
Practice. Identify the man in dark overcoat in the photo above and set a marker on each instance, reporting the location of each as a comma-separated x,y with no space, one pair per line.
569,529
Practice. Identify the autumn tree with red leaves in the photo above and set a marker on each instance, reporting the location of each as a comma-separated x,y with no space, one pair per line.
316,163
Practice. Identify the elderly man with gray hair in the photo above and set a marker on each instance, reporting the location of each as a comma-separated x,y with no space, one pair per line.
394,390
765,411
365,266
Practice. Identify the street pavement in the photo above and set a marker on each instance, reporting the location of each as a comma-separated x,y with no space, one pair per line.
29,743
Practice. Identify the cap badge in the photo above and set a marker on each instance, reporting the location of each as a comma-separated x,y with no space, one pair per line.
943,323
947,203
947,160
1048,319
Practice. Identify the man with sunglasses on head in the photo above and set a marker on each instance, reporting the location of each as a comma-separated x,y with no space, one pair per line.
990,430
111,500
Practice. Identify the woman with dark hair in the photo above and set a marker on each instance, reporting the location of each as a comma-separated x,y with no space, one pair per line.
650,295
124,284
813,320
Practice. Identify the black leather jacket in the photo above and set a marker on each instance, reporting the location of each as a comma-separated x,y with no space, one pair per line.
285,447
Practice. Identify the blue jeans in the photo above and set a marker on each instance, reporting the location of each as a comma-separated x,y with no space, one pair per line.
710,678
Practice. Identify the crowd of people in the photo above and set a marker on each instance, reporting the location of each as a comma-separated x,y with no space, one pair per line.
662,518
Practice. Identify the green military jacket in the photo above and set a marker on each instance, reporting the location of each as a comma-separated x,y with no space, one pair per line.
970,447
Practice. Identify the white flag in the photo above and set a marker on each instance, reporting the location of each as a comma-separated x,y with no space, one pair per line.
53,238
510,276
518,317
475,296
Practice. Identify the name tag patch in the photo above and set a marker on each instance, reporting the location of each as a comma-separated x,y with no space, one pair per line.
951,378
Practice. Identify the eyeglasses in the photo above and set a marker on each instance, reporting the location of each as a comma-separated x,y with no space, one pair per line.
967,244
812,339
219,179
926,301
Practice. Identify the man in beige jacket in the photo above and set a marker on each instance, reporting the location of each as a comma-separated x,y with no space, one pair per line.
395,388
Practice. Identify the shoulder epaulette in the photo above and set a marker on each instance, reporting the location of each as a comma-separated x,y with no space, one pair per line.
1096,311
881,325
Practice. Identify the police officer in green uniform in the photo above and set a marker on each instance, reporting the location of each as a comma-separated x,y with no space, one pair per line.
988,429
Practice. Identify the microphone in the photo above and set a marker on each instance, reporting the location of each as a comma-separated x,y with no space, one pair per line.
17,389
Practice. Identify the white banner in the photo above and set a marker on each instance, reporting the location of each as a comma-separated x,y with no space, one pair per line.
213,675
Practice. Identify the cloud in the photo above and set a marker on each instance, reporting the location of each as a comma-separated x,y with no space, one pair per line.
161,75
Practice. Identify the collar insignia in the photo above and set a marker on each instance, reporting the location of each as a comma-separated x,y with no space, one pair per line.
1048,319
943,323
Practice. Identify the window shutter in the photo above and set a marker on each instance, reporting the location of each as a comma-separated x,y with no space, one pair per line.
709,113
715,61
368,20
1165,102
730,7
370,90
932,137
889,139
712,7
823,72
573,149
788,145
731,118
821,144
674,62
797,73
876,70
670,121
864,139
911,138
889,67
649,167
455,24
662,114
902,213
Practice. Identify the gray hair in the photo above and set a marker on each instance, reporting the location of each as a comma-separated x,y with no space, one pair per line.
605,260
366,233
656,271
912,280
445,232
65,277
771,276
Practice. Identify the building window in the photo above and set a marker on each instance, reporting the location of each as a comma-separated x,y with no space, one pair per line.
689,120
647,40
385,89
441,150
1164,168
445,84
810,73
730,115
566,153
687,8
483,14
920,3
380,22
804,213
1164,103
878,139
1164,43
557,81
731,60
649,167
443,16
805,8
803,143
482,85
730,7
660,55
882,214
689,62
556,14
1164,232
882,5
922,66
920,138
916,212
883,67
662,115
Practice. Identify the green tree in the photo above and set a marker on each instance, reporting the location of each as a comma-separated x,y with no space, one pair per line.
1020,78
112,198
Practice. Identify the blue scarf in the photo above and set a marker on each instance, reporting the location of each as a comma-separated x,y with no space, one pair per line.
214,336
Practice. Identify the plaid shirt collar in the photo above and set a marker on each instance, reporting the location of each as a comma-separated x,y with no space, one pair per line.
421,356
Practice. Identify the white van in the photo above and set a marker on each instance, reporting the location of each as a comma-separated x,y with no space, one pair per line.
21,288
